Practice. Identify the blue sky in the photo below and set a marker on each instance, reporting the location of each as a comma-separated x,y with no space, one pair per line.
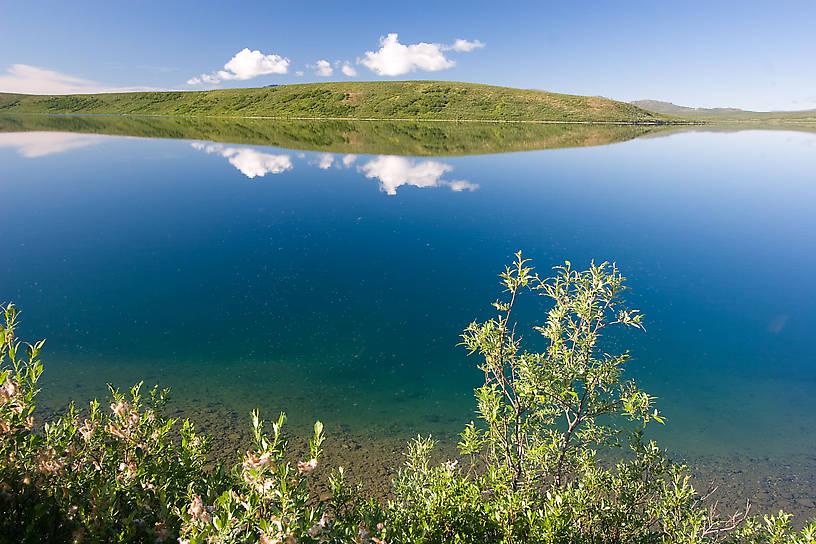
755,55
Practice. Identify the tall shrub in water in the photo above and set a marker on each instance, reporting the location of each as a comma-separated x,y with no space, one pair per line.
542,410
544,415
543,467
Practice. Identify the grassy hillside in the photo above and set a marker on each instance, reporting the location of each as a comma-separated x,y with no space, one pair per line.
415,138
718,115
377,100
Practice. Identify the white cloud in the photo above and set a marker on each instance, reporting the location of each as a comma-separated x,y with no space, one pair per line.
244,65
348,70
299,73
203,78
39,144
391,171
394,172
394,58
325,160
459,185
22,78
250,162
253,163
464,46
323,68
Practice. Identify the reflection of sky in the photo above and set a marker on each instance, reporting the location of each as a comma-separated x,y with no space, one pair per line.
40,144
391,171
249,161
316,268
394,172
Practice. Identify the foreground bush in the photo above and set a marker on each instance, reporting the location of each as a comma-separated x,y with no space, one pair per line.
530,471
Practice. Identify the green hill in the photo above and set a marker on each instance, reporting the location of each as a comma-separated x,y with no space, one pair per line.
439,100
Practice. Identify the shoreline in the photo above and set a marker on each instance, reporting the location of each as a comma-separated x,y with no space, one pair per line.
714,123
770,484
371,119
373,458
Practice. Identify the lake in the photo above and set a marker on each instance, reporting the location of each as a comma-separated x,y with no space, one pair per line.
330,272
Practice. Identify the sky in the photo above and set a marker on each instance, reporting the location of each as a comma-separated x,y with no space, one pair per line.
752,55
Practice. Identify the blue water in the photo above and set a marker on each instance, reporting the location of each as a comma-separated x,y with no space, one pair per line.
335,286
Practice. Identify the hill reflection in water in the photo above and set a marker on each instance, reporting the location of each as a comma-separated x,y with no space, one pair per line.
410,138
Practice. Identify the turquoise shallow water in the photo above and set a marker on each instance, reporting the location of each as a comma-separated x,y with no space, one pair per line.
334,286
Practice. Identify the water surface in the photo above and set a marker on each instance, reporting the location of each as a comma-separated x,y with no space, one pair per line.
332,282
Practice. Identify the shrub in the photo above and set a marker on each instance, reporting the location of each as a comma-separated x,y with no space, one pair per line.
546,420
127,473
540,466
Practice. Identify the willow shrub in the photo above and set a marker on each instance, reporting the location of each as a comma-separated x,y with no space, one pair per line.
125,472
531,468
546,419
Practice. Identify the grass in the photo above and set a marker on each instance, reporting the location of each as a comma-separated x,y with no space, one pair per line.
370,100
416,138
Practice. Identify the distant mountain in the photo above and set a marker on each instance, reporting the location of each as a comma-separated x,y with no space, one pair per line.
673,109
726,115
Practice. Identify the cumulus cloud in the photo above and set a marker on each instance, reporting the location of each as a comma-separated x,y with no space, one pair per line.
299,73
460,185
325,160
348,70
323,68
393,172
204,78
26,79
253,163
244,65
464,46
394,58
250,162
39,144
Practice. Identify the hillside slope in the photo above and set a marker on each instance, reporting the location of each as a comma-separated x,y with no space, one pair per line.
362,100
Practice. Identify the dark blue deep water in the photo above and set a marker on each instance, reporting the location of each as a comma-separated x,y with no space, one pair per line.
335,286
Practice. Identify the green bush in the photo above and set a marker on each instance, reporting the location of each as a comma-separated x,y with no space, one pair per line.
538,467
546,419
127,473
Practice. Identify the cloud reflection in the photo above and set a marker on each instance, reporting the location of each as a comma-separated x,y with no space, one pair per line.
394,172
324,161
391,171
250,162
40,144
